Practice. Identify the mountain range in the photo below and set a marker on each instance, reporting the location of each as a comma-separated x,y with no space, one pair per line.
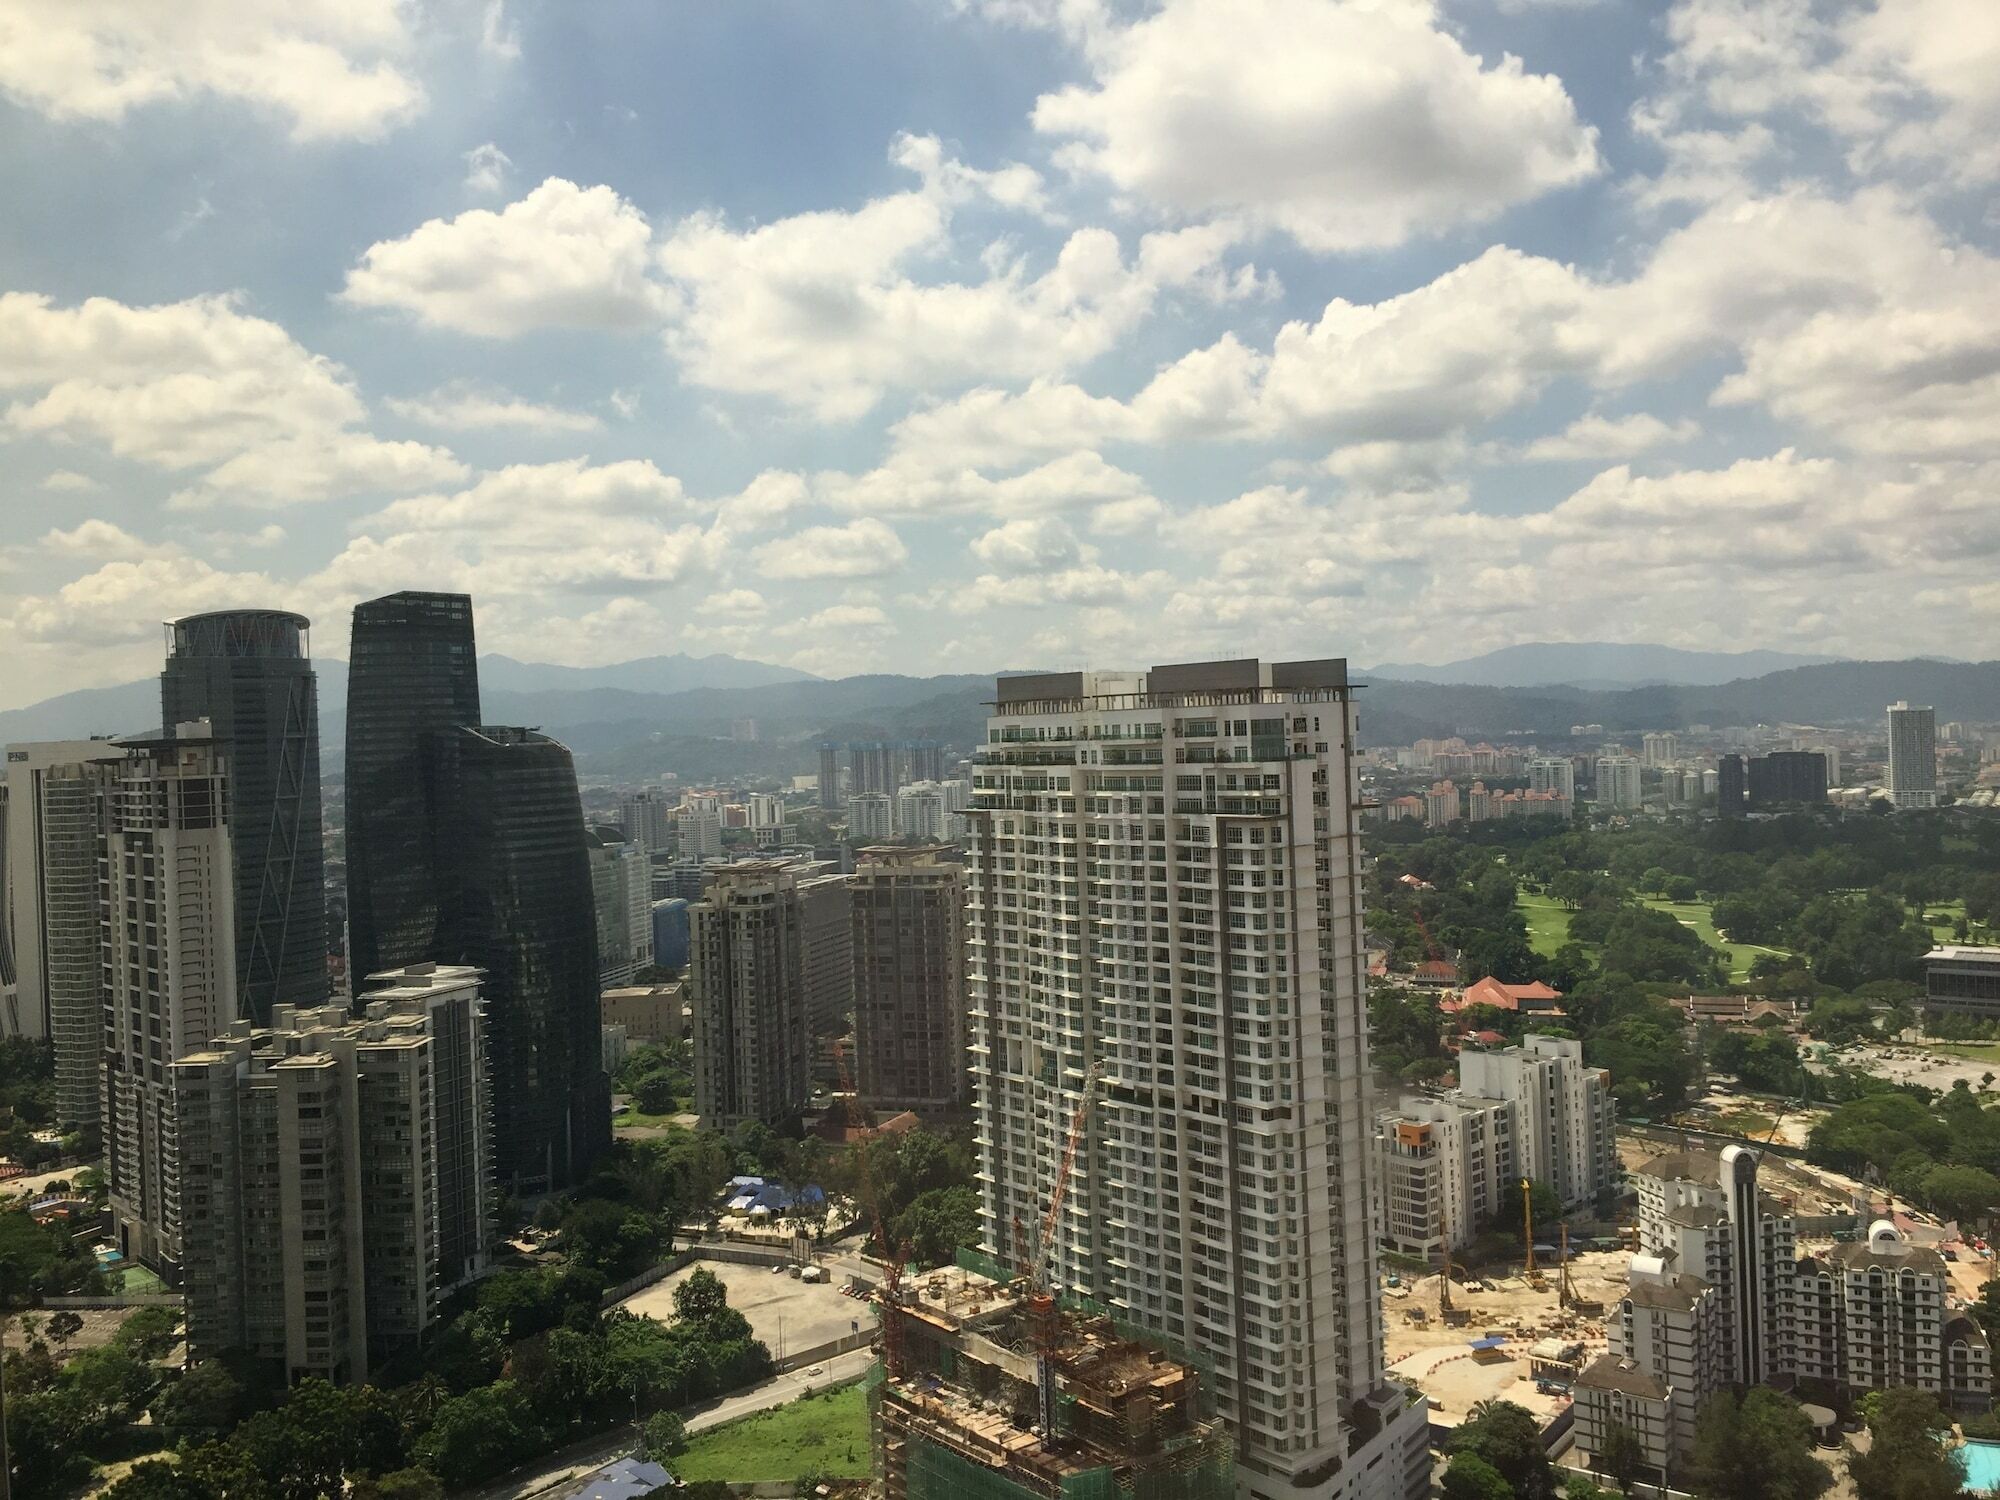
618,729
1600,664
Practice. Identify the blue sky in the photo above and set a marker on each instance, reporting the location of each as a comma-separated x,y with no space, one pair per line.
926,335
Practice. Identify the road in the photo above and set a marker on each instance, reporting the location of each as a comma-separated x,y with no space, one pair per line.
555,1472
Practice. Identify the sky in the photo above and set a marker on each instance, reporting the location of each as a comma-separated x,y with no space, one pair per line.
949,335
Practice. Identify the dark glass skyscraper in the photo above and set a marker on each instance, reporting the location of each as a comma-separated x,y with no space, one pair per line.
515,900
466,845
247,672
412,669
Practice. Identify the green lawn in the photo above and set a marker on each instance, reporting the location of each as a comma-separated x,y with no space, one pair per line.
1548,922
1971,1051
1548,928
826,1431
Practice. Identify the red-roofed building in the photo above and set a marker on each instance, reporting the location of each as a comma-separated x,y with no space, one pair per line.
1535,999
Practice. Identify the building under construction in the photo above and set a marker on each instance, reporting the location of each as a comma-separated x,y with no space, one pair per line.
958,1416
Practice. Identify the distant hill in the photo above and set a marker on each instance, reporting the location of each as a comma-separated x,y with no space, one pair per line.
649,674
1599,664
617,730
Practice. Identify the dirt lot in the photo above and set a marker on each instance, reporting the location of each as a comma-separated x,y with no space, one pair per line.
99,1324
1438,1357
785,1314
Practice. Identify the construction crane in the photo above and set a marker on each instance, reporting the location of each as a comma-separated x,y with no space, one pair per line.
1565,1292
1041,1301
1528,1232
894,1257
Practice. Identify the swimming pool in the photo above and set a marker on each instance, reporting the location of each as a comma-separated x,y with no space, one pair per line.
1982,1466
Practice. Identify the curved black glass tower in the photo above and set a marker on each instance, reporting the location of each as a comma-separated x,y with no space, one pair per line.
515,900
413,668
248,673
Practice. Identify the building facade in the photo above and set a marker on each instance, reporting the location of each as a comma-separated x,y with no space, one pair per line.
249,675
698,833
871,816
1565,1132
1878,1313
1618,783
169,966
747,987
1963,980
909,979
516,902
413,675
670,931
1553,773
1448,1167
1669,1354
333,1179
1912,756
1164,945
621,890
53,909
648,820
1787,776
826,921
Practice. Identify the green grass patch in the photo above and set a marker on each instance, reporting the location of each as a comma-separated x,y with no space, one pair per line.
1697,914
1988,1052
1548,922
828,1430
1747,1122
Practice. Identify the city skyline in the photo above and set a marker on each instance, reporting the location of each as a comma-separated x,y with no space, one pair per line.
862,341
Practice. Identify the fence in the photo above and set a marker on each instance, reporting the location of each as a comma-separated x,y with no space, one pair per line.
860,1339
147,1299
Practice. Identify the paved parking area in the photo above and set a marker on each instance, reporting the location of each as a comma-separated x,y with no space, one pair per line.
786,1314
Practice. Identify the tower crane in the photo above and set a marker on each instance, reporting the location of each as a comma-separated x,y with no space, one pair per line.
1041,1301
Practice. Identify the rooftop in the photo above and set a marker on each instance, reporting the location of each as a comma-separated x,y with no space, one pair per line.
1611,1373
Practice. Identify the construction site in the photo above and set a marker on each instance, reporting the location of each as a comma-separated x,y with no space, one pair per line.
991,1395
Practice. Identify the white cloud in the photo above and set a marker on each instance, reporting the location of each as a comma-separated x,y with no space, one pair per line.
737,604
1593,436
497,39
124,600
902,487
200,385
861,549
336,69
562,257
464,408
765,500
486,170
1027,545
1348,124
94,538
68,481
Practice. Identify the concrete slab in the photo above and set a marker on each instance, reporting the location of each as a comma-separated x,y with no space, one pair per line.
787,1315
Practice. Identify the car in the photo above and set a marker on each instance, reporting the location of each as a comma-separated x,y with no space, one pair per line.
817,1370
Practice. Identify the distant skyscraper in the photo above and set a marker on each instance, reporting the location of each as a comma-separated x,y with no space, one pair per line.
622,890
247,673
516,901
1732,786
1553,773
168,969
55,842
747,988
698,831
1912,756
826,914
1662,748
909,979
1787,776
1165,920
412,670
648,820
1618,784
829,776
871,816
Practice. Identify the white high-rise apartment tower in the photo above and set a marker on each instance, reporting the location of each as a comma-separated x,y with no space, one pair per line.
169,971
1553,773
1164,918
1618,783
1912,756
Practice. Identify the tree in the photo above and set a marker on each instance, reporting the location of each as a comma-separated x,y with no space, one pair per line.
64,1325
479,1434
1756,1448
206,1398
699,1298
402,1484
1470,1477
665,1436
1624,1456
1506,1437
938,1223
1908,1456
157,1479
1961,1192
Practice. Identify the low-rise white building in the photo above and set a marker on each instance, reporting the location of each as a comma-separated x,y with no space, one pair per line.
1565,1133
1447,1167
